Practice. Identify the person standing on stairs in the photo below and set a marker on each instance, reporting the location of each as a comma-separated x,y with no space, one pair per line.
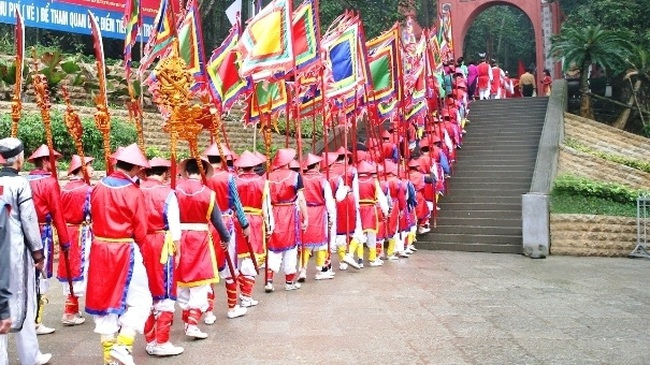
484,79
527,83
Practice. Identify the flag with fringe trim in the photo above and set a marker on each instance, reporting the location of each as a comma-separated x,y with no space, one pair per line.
161,37
305,31
225,83
190,42
268,98
266,45
383,62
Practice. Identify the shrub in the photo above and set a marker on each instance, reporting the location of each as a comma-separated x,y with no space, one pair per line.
32,133
623,160
580,186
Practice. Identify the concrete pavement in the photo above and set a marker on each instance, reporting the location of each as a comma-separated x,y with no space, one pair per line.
433,308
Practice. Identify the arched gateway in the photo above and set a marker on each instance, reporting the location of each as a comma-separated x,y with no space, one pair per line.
544,16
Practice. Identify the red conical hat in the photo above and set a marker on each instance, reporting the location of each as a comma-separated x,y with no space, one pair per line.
343,151
311,159
283,157
131,154
207,166
365,167
213,150
294,164
260,156
391,167
75,163
43,151
247,159
386,135
159,162
331,158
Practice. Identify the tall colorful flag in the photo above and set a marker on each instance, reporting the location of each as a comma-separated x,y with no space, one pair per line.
190,42
161,37
383,59
268,98
133,23
305,29
345,66
266,45
225,83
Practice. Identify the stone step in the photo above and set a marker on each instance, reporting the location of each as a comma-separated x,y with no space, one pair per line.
465,238
472,247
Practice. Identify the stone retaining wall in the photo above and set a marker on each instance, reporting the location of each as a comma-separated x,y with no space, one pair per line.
592,235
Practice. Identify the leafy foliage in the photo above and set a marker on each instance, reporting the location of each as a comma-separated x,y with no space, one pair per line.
567,203
580,186
32,133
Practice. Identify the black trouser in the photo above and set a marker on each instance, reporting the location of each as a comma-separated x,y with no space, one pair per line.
527,90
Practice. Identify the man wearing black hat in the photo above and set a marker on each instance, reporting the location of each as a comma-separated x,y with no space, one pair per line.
26,252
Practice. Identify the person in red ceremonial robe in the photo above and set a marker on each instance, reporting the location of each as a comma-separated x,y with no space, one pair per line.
198,266
370,196
398,194
321,207
408,220
348,222
223,184
389,149
256,201
382,232
497,83
159,253
484,79
422,210
508,86
118,294
47,201
75,205
286,189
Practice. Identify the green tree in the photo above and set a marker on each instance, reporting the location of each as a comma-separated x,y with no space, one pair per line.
638,76
586,46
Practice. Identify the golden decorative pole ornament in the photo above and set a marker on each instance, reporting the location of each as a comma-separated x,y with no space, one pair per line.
76,131
16,101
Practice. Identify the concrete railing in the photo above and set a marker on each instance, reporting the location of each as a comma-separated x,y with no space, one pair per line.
536,233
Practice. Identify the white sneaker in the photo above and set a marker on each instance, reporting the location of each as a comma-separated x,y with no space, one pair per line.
122,355
360,264
292,286
43,359
194,332
376,263
350,261
149,347
324,275
412,248
72,319
247,302
408,251
237,311
42,329
209,318
343,266
167,349
269,287
302,276
403,255
393,258
423,230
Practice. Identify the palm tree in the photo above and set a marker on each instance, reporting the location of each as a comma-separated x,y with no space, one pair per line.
590,45
638,73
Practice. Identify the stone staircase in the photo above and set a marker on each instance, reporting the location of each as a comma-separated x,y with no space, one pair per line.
482,210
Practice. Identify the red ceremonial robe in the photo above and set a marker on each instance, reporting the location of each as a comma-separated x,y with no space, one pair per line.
484,70
346,210
422,209
398,197
283,185
250,187
46,194
119,222
316,233
75,204
383,225
156,248
198,260
368,203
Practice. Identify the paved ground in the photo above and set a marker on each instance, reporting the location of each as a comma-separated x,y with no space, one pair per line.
434,308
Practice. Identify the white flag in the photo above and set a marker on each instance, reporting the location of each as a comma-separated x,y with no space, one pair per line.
233,11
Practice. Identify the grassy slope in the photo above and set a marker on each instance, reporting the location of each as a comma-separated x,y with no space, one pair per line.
564,203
